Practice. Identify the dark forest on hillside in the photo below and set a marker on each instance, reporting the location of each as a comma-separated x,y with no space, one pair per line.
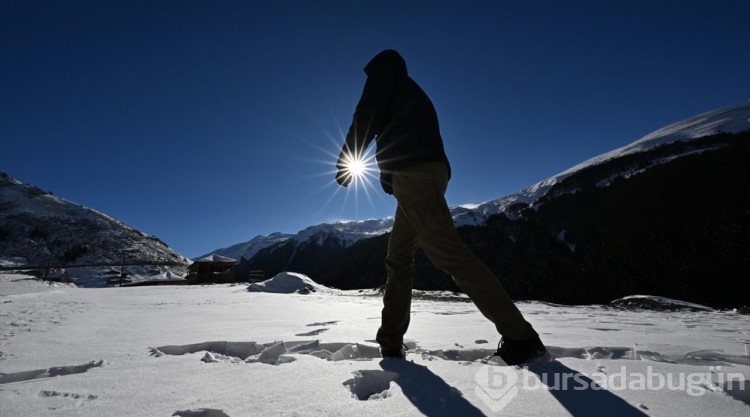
677,228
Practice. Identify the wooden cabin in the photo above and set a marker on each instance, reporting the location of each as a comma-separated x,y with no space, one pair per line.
213,269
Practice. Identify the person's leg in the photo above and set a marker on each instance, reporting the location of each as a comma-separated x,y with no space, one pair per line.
397,298
420,194
447,252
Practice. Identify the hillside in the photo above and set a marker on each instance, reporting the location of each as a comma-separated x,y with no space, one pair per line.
40,229
729,119
666,215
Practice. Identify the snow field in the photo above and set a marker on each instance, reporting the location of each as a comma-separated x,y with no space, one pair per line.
224,351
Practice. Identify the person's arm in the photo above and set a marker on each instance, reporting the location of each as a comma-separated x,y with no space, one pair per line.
369,120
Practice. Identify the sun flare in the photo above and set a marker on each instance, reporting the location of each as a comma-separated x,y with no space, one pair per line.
352,172
358,167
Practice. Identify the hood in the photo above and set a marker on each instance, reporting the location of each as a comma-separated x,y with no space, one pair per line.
386,63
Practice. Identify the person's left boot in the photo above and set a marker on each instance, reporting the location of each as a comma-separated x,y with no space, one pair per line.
516,352
392,353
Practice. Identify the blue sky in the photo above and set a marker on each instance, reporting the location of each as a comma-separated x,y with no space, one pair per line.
208,123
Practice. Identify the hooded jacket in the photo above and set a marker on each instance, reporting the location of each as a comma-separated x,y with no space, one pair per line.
398,115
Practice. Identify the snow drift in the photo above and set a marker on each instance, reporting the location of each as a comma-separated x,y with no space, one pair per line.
288,283
654,302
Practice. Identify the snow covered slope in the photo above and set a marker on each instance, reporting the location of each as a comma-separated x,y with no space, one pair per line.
730,119
251,247
38,228
345,232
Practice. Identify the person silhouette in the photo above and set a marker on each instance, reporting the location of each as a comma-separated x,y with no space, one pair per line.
398,115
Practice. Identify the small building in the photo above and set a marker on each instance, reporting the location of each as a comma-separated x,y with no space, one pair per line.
212,269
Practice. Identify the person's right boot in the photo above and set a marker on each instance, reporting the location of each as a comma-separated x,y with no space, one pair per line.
516,352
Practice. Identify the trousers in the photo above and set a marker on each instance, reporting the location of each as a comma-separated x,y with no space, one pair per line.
424,220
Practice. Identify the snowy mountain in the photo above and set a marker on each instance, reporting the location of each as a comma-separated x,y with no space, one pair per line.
345,232
38,229
670,206
251,247
730,119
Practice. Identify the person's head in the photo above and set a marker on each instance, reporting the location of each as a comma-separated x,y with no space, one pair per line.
386,63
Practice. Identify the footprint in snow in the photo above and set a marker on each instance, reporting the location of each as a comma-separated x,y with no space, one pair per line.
55,371
322,323
370,384
201,412
274,353
79,400
72,396
312,333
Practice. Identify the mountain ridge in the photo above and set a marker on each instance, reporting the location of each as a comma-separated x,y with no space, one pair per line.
673,227
728,119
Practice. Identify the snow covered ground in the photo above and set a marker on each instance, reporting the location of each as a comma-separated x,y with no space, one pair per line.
213,351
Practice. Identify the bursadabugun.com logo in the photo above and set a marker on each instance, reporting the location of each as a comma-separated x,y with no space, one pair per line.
497,386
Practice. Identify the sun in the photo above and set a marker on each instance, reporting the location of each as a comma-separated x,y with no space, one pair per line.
358,166
352,171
